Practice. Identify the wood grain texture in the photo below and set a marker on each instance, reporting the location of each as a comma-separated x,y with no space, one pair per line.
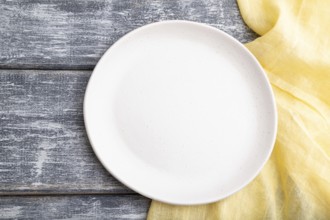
43,144
44,147
73,34
74,207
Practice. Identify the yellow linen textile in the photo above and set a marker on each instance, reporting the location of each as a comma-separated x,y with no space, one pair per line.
294,50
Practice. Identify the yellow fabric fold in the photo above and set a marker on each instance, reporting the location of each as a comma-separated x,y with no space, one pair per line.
294,50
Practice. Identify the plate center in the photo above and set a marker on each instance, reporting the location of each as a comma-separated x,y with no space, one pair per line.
179,111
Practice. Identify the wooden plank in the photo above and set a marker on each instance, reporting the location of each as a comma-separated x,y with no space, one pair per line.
74,207
43,144
73,34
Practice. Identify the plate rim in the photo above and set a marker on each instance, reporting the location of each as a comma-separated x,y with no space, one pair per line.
238,44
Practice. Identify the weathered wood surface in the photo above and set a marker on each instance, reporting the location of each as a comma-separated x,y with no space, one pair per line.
44,147
74,207
73,34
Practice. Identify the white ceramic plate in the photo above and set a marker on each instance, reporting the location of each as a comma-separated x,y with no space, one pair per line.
180,112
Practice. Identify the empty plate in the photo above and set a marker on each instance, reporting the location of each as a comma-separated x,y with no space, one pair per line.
180,112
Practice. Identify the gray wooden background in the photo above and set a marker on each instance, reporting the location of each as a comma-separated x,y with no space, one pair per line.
48,49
